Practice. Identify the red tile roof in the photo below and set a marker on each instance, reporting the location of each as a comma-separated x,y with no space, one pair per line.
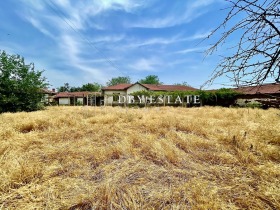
75,94
118,87
151,87
264,89
169,87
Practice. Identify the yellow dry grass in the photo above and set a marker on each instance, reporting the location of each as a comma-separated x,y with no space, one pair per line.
157,158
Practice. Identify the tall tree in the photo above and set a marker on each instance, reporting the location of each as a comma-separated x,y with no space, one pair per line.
257,53
20,84
150,79
75,89
119,80
65,88
183,84
93,87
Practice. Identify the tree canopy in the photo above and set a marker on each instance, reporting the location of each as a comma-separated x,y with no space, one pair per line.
150,79
92,87
256,55
119,80
64,88
183,84
20,84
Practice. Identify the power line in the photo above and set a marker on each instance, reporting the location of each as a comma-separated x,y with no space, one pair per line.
74,28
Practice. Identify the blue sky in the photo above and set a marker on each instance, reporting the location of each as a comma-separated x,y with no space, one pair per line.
94,40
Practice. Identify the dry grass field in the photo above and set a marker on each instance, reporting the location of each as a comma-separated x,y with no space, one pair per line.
157,158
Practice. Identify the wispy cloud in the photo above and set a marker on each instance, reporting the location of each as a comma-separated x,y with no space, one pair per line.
143,64
191,50
37,24
81,10
133,43
153,41
126,5
193,10
199,35
74,49
82,39
73,57
109,38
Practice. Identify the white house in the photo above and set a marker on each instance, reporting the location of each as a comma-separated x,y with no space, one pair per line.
111,94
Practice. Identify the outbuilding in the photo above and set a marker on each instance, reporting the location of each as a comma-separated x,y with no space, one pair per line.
79,98
266,95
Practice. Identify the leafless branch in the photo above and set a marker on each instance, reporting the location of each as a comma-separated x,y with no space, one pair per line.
256,55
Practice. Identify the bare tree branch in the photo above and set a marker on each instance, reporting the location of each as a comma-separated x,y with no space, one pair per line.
256,56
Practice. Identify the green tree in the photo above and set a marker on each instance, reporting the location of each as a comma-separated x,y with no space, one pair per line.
65,88
93,87
151,79
75,89
20,84
183,84
119,80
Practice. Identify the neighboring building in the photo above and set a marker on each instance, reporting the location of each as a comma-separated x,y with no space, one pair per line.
79,98
48,96
267,95
112,93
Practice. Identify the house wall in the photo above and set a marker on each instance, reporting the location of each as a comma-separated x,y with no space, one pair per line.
108,95
64,101
135,88
108,99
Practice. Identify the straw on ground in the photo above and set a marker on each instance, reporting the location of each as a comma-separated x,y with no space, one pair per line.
158,158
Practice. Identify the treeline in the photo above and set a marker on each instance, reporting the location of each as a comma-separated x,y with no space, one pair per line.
220,97
92,87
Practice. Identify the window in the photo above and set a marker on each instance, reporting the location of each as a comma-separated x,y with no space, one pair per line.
116,96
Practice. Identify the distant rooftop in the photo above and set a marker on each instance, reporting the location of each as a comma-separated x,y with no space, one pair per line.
151,87
75,94
271,88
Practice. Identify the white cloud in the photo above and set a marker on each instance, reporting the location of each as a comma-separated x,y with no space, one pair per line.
191,50
37,24
199,35
133,43
109,38
93,69
144,64
156,40
193,10
79,11
72,48
117,4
